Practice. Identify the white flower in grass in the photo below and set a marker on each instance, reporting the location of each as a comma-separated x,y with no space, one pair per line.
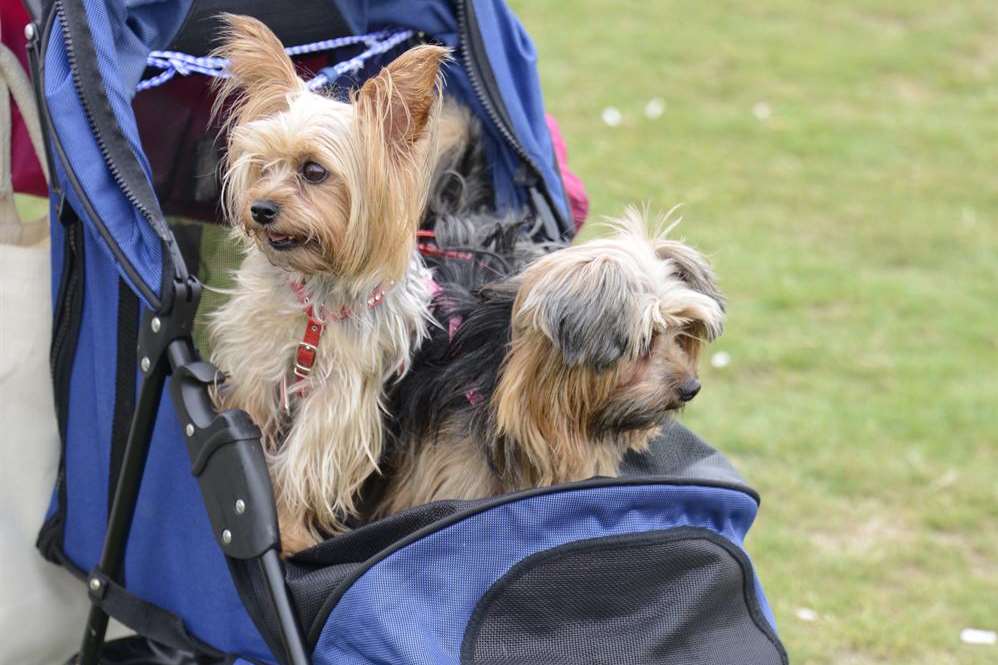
612,116
978,637
655,108
762,111
720,359
806,614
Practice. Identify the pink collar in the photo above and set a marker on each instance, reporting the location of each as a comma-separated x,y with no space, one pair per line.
308,348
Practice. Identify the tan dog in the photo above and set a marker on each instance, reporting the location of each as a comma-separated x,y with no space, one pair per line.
559,364
325,197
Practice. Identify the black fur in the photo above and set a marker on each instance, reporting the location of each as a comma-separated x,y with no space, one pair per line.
475,256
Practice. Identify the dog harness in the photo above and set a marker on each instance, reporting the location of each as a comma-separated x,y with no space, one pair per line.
308,348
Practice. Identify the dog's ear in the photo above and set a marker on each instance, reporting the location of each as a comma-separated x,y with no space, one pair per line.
691,267
593,311
398,103
261,74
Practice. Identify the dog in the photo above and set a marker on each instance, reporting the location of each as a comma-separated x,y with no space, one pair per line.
324,197
514,364
552,373
549,362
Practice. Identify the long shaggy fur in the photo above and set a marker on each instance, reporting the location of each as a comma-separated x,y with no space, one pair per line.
342,238
565,359
545,364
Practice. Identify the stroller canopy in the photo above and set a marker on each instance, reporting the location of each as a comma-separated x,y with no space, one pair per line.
108,42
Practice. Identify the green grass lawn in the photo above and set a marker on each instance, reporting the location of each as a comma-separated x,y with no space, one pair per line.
855,231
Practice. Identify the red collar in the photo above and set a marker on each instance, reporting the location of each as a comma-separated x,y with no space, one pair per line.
308,348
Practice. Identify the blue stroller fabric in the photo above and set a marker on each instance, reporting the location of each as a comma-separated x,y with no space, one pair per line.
125,32
448,583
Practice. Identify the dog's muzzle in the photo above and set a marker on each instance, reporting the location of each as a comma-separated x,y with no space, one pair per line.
689,389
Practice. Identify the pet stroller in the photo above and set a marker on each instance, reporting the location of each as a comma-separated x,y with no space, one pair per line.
164,508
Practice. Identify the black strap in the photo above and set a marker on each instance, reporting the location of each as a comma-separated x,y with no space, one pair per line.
153,622
247,575
124,381
62,355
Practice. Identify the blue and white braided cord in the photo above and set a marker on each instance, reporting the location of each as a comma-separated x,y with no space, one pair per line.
174,62
374,48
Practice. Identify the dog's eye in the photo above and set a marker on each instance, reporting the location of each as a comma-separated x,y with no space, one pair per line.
314,172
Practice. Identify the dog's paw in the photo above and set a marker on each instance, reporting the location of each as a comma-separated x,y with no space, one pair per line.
590,307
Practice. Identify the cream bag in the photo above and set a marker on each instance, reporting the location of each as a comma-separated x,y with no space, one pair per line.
42,608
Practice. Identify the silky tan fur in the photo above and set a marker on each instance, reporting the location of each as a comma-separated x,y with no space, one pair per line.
565,358
356,234
591,345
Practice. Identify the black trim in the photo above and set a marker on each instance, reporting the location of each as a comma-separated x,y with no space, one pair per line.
137,650
319,621
62,355
124,380
119,157
637,539
152,621
476,63
311,21
88,208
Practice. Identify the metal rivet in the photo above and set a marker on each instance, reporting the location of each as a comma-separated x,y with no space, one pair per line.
29,31
226,536
240,506
145,364
189,430
155,323
95,584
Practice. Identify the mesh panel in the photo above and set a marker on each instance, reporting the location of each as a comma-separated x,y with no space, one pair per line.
311,587
679,453
680,596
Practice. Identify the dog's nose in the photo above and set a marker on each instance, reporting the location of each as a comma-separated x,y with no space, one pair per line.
689,389
264,212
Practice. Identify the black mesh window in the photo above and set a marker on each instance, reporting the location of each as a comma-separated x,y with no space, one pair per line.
679,597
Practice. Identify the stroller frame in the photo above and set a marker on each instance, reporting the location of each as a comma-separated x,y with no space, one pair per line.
401,589
224,448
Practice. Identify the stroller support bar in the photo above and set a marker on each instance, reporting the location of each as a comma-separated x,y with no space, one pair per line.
226,458
122,511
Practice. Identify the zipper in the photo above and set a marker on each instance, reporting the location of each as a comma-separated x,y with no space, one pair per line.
473,54
112,167
170,250
64,333
64,312
471,43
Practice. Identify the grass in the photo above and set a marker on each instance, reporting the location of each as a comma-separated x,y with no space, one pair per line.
855,231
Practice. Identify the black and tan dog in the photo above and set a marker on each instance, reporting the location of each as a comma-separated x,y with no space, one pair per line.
550,362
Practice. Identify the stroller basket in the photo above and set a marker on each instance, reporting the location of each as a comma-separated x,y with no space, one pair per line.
164,507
